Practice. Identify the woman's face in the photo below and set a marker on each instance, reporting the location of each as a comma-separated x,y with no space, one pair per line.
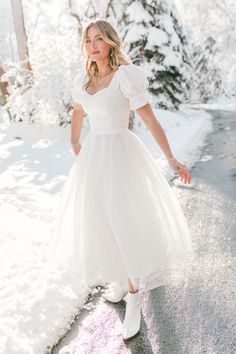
95,46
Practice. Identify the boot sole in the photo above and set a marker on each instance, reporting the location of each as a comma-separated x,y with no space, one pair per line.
133,335
115,301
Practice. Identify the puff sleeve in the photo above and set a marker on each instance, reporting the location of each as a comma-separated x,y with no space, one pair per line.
77,88
134,85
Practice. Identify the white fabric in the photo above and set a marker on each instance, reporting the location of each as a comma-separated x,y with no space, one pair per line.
119,218
134,85
77,88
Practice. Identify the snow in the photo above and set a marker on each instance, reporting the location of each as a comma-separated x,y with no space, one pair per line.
185,131
7,36
136,13
166,23
38,304
222,103
156,37
163,47
218,24
206,158
171,60
175,39
33,303
135,33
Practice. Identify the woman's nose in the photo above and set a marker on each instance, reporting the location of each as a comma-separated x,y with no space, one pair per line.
94,44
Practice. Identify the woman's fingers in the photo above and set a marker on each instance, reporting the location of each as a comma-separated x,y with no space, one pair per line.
185,175
182,171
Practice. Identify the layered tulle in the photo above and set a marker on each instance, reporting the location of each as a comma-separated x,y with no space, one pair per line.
119,218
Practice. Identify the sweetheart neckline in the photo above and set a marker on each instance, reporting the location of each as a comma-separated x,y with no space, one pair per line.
104,88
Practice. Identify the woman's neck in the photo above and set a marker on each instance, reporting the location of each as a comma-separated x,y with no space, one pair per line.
103,68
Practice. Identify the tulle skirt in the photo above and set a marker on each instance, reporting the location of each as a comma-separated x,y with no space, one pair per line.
119,218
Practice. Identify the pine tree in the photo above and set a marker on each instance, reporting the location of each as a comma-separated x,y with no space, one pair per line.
155,38
207,80
220,25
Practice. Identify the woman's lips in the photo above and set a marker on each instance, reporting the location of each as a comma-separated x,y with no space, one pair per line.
95,52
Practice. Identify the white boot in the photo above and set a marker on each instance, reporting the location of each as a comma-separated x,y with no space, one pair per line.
131,324
115,292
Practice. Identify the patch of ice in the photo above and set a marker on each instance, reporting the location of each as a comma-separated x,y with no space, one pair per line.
206,158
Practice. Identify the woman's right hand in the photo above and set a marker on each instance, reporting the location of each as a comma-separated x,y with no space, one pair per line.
76,148
181,170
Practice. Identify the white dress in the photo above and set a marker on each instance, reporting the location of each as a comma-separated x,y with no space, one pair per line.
119,217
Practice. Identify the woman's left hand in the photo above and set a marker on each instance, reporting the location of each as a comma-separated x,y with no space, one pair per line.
183,172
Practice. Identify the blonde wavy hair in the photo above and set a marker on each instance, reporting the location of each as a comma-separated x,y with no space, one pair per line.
110,35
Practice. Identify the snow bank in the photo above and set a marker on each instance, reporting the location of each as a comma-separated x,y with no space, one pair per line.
186,132
38,306
222,103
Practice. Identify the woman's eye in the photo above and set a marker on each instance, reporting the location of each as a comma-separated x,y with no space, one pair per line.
99,38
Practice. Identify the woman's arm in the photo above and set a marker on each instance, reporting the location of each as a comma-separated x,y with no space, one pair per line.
76,125
146,113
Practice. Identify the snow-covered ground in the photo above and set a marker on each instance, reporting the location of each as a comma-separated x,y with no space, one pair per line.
37,307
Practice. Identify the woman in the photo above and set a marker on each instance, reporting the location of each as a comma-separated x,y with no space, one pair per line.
120,222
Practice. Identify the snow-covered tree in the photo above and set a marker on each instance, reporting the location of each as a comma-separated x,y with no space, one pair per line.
207,80
216,19
8,48
156,38
44,95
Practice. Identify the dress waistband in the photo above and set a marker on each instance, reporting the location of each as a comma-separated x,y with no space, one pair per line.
108,131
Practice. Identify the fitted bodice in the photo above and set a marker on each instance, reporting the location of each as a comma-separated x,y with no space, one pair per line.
109,108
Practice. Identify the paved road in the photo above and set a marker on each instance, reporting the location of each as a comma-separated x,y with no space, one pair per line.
201,316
